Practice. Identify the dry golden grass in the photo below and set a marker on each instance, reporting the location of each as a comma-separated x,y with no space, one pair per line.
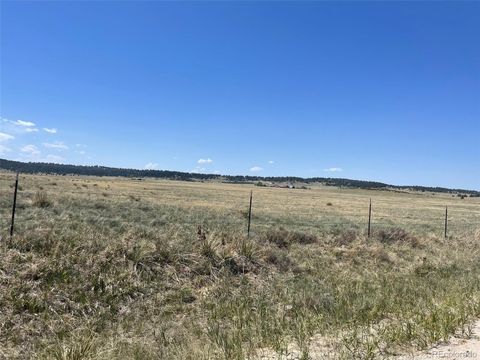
117,268
299,208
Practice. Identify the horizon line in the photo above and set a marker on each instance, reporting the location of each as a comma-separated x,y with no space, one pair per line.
246,176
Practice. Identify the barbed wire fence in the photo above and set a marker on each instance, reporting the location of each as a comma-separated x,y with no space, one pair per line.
442,220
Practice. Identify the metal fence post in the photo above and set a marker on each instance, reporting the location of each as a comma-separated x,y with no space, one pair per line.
446,221
249,213
14,206
369,217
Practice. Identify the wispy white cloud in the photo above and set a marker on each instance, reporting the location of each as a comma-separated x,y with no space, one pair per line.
333,169
5,137
22,126
50,131
23,123
151,166
271,162
4,149
205,161
59,145
256,169
30,149
81,152
19,126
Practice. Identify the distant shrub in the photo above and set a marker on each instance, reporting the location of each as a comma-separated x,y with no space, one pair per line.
281,260
41,200
133,197
260,184
237,264
329,204
283,238
302,238
100,205
278,237
345,237
397,235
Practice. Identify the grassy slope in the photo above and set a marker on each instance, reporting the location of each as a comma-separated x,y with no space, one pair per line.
115,268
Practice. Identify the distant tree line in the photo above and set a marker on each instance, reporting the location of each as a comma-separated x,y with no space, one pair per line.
62,169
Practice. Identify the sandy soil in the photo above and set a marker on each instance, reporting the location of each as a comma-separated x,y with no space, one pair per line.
455,349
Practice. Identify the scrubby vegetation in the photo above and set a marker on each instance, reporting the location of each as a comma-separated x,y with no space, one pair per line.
128,275
41,199
63,169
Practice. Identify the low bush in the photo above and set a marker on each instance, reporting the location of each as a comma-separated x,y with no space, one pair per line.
284,238
398,236
345,238
41,200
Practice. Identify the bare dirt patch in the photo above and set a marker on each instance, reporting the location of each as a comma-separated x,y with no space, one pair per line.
456,348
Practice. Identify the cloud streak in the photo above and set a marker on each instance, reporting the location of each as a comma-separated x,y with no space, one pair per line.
23,123
256,169
5,137
333,169
59,145
23,126
30,149
205,161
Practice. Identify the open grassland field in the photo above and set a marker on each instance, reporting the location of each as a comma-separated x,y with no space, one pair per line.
115,268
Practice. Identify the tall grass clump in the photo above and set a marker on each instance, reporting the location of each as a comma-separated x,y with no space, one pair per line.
41,200
175,276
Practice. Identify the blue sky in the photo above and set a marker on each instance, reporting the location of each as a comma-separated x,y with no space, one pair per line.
386,91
